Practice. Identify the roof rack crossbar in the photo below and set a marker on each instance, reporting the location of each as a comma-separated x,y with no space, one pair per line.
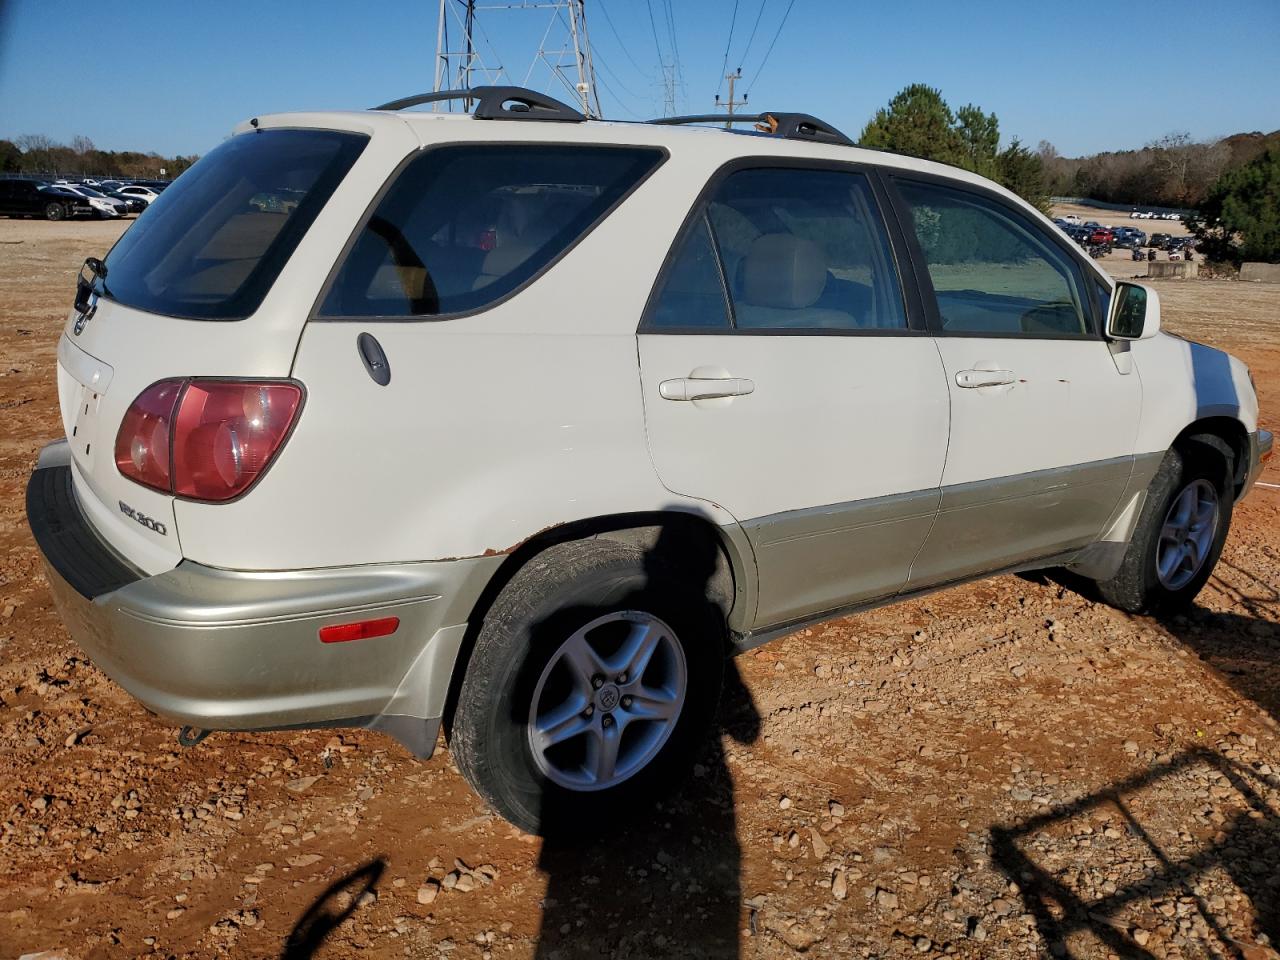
498,103
792,126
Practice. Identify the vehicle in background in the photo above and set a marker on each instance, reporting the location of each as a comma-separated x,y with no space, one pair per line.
1101,236
135,204
1072,219
104,207
35,198
1159,241
144,193
1129,237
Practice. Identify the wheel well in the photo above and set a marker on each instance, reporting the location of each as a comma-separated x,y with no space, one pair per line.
1221,436
676,535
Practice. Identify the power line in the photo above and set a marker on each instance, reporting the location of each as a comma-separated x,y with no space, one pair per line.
727,44
756,26
653,25
778,33
618,37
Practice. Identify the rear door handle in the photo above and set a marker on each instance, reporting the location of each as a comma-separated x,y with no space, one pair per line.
985,378
695,388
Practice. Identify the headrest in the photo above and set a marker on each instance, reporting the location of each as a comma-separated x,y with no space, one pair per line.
783,270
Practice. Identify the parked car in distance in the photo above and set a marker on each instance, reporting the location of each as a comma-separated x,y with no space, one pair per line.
35,198
104,207
143,193
1100,235
1159,241
462,434
1072,219
134,205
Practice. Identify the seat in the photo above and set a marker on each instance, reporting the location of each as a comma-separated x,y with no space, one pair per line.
783,276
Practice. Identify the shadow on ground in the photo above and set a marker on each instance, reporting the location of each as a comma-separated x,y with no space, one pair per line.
1246,846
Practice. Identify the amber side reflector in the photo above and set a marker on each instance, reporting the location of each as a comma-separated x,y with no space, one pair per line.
363,630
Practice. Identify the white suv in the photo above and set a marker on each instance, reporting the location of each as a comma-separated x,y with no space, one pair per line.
523,421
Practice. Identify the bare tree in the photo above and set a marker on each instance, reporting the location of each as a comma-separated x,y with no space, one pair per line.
81,145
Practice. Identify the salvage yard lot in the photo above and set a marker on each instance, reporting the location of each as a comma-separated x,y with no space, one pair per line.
1003,770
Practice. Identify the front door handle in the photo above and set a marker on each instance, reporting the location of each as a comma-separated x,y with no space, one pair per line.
697,388
985,378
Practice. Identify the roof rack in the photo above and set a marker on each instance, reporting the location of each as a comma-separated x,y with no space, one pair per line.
792,126
498,103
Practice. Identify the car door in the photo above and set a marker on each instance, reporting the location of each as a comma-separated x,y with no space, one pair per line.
6,196
1044,414
787,376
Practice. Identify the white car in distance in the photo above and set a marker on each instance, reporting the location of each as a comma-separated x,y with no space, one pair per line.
145,194
520,422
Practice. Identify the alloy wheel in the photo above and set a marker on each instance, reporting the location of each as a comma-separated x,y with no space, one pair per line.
607,701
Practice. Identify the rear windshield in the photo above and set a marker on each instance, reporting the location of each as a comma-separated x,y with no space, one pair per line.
210,248
464,226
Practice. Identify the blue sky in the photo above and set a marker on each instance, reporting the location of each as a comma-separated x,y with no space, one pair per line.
175,77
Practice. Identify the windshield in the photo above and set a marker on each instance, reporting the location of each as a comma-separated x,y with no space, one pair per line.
210,248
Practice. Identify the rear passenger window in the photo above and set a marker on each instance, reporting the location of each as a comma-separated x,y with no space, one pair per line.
795,249
993,271
464,226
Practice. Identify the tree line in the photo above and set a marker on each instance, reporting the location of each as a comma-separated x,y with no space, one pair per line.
1174,171
35,153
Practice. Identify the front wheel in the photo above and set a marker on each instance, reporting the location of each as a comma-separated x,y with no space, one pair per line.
1179,535
593,681
55,211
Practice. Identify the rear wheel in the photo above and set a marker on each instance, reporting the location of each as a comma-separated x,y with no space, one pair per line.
593,681
1179,535
55,211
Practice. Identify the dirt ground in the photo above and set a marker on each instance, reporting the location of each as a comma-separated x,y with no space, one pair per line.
1008,769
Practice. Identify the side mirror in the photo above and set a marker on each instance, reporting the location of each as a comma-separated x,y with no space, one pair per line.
1134,313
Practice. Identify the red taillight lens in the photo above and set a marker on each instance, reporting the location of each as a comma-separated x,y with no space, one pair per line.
219,435
142,444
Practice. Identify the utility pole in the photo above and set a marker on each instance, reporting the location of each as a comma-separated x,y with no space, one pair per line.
731,103
565,48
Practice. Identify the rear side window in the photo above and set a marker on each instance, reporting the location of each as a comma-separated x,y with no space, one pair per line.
210,247
464,226
794,249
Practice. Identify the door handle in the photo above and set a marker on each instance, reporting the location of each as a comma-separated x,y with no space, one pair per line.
985,378
697,388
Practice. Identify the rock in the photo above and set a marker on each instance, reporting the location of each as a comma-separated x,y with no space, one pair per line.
784,803
301,784
820,847
839,885
887,899
428,892
450,880
836,808
1140,936
1001,907
1130,747
466,883
304,860
923,944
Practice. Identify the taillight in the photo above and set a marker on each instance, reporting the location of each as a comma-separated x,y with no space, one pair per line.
142,443
205,439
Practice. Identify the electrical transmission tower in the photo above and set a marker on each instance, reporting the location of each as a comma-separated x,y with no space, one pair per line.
564,50
731,104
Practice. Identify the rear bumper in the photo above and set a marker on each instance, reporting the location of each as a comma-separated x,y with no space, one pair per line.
230,650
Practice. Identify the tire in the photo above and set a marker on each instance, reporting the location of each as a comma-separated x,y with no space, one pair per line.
1146,585
55,211
525,653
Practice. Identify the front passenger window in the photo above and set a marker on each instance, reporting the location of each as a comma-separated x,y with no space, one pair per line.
994,272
